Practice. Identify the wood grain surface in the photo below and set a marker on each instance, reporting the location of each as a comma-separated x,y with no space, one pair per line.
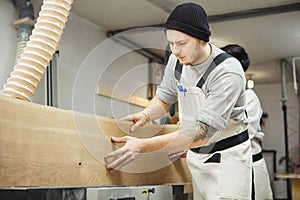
46,146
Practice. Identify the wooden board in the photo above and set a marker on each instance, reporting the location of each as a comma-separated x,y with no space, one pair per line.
295,184
295,189
41,146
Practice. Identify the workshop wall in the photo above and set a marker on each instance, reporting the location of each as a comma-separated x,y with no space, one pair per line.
273,127
8,39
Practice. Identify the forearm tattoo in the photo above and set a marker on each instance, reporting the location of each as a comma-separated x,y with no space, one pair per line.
202,132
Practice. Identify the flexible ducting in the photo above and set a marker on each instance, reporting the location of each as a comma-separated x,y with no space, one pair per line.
39,50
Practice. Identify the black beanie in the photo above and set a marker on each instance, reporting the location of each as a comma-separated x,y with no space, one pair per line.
190,19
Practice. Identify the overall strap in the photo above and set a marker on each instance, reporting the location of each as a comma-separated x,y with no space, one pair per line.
217,60
178,70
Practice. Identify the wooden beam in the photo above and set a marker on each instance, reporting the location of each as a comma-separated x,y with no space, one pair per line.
40,146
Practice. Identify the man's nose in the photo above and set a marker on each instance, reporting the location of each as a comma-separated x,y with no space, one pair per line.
176,50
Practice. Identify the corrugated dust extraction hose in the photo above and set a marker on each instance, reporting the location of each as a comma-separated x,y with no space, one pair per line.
39,50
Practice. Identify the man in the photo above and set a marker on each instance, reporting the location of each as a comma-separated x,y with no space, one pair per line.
211,111
261,179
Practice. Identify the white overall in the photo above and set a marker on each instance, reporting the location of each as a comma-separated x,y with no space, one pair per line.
227,177
261,177
262,184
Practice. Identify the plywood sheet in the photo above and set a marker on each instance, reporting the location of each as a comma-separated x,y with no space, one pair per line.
46,146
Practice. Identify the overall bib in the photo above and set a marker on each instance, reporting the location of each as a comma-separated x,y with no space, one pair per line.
222,168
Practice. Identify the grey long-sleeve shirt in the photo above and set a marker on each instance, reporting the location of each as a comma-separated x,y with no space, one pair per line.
224,89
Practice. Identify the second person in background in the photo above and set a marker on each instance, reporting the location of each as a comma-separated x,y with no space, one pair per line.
262,187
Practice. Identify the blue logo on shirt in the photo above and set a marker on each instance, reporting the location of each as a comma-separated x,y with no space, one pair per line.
181,89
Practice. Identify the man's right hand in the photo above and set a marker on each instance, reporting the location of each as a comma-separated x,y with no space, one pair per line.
138,119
